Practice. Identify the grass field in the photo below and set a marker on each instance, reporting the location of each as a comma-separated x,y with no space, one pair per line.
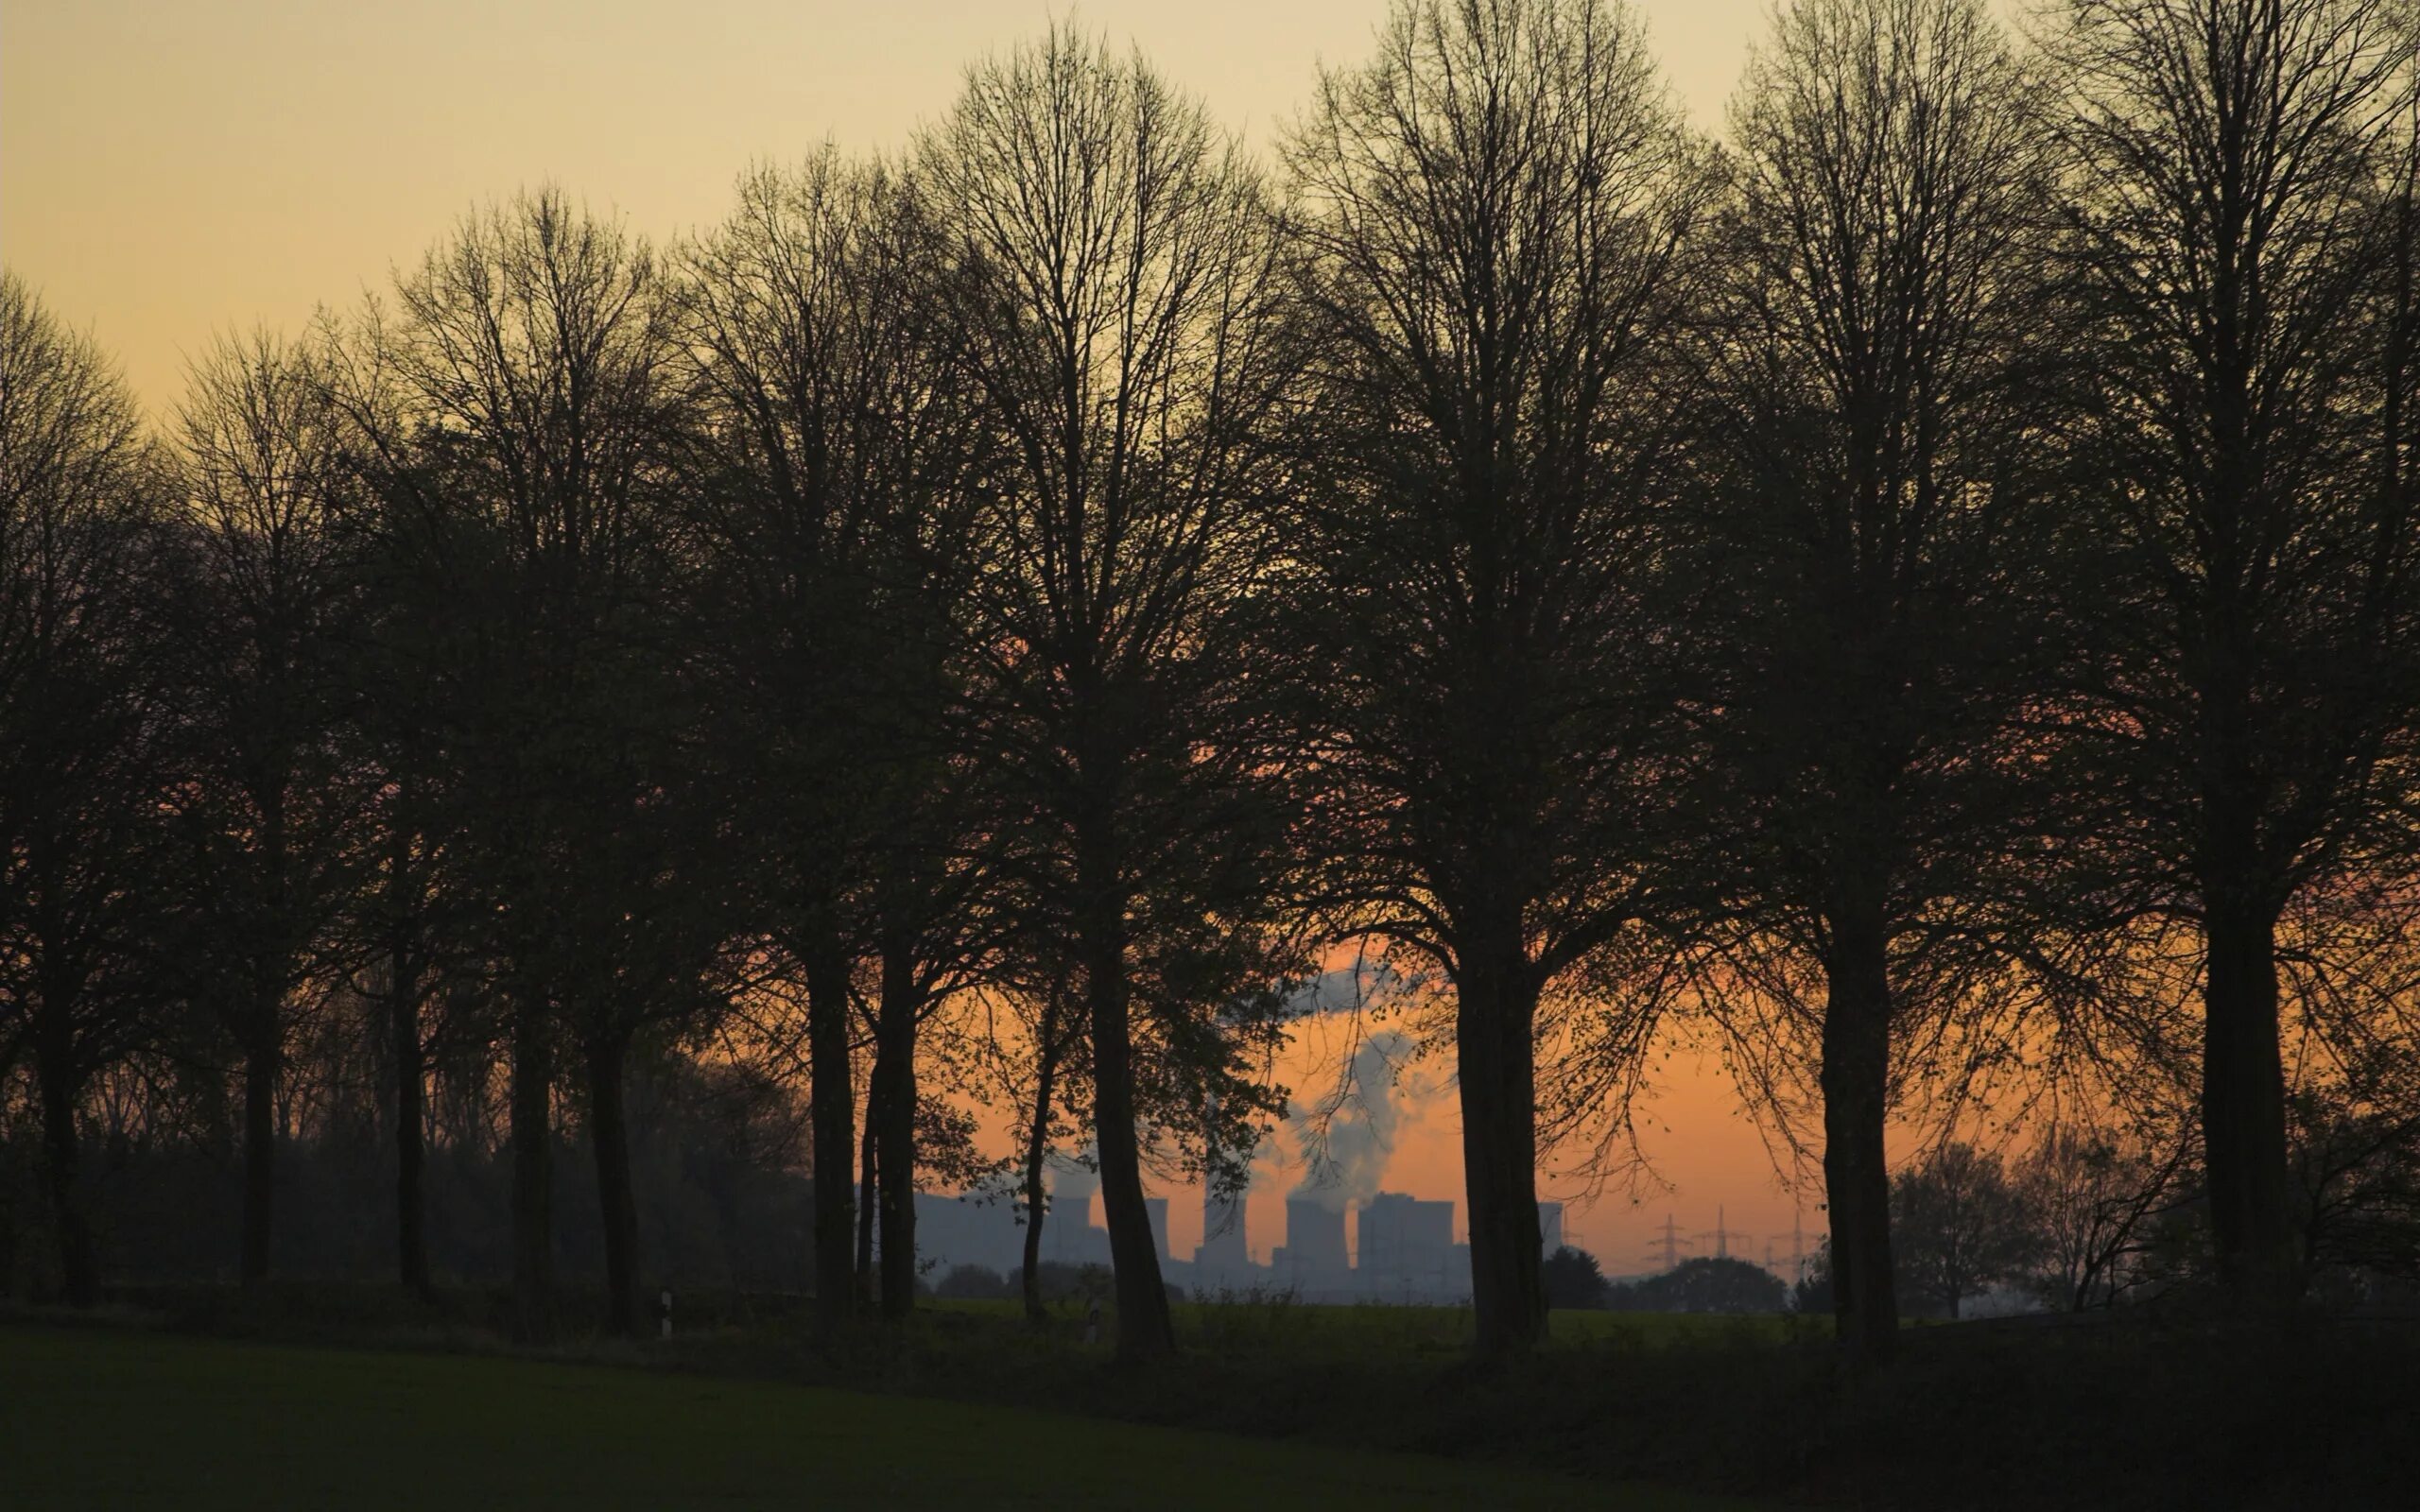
112,1418
1422,1330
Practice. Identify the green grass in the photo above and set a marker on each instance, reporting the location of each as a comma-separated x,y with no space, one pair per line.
105,1418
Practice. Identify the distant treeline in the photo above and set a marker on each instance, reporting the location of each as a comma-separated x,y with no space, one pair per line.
1919,594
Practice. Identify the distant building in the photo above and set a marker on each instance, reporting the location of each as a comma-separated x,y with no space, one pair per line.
1406,1249
1223,1260
1316,1265
1069,1234
953,1231
1402,1246
1069,1210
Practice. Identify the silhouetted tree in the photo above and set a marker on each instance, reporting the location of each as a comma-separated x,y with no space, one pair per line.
652,916
1710,1283
1573,1280
1111,275
1876,535
2090,1197
82,702
406,927
1958,1225
519,405
412,935
933,936
841,455
2242,235
1035,1034
2355,1160
1494,229
275,793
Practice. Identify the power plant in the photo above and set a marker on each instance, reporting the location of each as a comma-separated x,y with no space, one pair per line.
1407,1247
1401,1248
1223,1260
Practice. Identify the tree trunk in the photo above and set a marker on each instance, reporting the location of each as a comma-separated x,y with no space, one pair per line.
1145,1327
411,1062
411,1125
892,1112
80,1272
2244,1107
868,1165
1494,1012
609,1135
1037,1148
260,1139
534,1174
1857,1178
830,1093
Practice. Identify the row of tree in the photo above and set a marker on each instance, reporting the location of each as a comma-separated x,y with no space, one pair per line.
2083,1220
1925,585
2079,1220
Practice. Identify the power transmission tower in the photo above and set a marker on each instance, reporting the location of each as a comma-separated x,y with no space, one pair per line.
1720,1234
1673,1244
1797,1248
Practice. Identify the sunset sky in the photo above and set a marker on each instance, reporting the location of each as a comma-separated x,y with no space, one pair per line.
169,169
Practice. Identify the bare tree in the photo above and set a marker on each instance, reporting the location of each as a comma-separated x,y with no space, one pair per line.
1112,270
1033,1034
1496,213
2355,1156
842,507
516,404
274,806
81,701
405,926
1876,535
2242,237
2090,1194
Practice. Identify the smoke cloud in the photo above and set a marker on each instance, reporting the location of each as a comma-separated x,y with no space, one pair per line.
1345,1141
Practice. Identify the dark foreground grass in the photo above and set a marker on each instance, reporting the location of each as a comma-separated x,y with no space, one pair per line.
2176,1405
101,1418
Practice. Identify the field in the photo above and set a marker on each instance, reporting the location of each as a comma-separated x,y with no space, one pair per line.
101,1418
1275,1322
335,1395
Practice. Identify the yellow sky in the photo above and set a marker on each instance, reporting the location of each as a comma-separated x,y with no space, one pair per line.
173,168
170,168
